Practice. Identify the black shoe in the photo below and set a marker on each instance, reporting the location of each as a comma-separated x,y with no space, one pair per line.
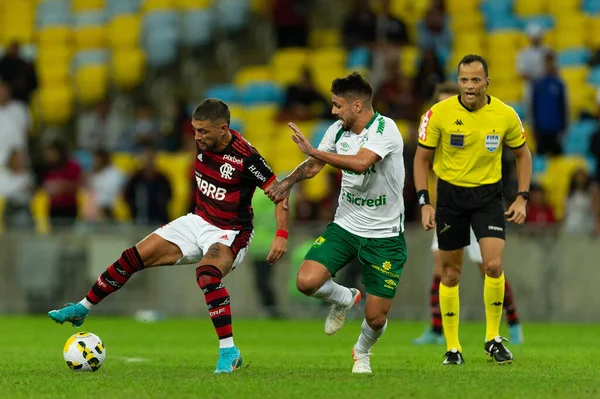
453,357
496,350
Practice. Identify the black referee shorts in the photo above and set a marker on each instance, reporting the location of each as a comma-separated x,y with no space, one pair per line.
458,208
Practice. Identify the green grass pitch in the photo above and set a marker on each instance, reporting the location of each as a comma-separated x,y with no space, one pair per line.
291,359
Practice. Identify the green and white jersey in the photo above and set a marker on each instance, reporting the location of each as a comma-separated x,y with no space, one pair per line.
370,204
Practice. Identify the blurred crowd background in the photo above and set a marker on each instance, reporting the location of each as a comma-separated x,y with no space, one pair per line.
96,95
96,99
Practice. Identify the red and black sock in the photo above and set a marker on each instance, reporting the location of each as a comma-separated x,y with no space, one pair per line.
217,299
116,275
509,306
434,301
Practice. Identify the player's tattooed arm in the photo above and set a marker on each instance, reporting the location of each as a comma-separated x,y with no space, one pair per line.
306,170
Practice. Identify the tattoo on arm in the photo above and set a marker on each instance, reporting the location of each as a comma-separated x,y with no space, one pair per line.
213,252
304,171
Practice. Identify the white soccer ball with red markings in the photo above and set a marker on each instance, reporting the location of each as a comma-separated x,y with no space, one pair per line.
84,351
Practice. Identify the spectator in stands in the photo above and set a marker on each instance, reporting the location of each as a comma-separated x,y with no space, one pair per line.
531,60
178,125
15,123
16,188
595,141
580,215
539,212
360,26
430,74
434,33
104,186
92,127
62,180
395,96
148,192
549,109
19,74
390,29
290,18
303,101
144,132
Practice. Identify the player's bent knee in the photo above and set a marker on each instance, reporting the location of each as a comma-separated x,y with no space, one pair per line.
306,284
376,321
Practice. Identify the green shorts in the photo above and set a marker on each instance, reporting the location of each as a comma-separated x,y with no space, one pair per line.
382,259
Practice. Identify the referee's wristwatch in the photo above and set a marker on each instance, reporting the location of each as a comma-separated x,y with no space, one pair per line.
524,194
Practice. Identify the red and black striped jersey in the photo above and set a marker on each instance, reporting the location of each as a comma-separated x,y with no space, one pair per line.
226,182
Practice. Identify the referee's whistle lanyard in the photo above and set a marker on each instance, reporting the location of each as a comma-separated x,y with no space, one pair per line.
363,242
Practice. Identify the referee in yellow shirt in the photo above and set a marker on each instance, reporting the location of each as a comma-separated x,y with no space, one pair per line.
467,133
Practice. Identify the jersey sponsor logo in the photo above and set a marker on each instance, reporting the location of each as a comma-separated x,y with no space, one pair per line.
226,171
233,159
358,201
257,173
495,228
492,142
459,122
424,125
387,265
386,272
365,173
210,190
344,146
320,240
457,140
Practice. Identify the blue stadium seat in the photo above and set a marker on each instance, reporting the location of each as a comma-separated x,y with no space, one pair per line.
496,8
197,27
591,164
318,131
57,12
577,139
545,21
85,159
539,163
89,18
360,57
575,147
502,22
232,15
594,76
573,57
115,7
237,124
591,6
226,92
158,20
260,93
89,57
520,109
161,36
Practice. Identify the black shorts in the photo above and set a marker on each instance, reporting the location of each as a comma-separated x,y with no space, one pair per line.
459,208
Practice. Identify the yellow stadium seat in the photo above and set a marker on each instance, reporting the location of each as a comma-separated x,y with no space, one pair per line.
128,68
54,35
287,65
121,210
501,41
92,83
53,54
257,73
56,104
124,31
259,115
471,22
572,37
192,4
418,9
409,57
507,91
405,130
237,112
325,38
87,5
530,7
398,8
571,20
557,180
40,211
125,162
324,77
90,37
19,29
260,6
177,169
456,7
53,74
317,188
563,7
575,76
153,5
593,33
333,57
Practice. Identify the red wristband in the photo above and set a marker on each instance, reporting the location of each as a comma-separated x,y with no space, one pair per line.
282,233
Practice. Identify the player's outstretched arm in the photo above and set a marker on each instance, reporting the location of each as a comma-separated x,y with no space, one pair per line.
279,243
518,210
280,190
422,164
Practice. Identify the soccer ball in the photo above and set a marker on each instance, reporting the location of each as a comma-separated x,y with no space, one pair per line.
84,351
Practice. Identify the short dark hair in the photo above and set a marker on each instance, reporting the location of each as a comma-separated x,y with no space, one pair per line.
445,88
212,109
353,85
471,58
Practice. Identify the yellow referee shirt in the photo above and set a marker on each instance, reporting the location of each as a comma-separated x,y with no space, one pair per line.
469,143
